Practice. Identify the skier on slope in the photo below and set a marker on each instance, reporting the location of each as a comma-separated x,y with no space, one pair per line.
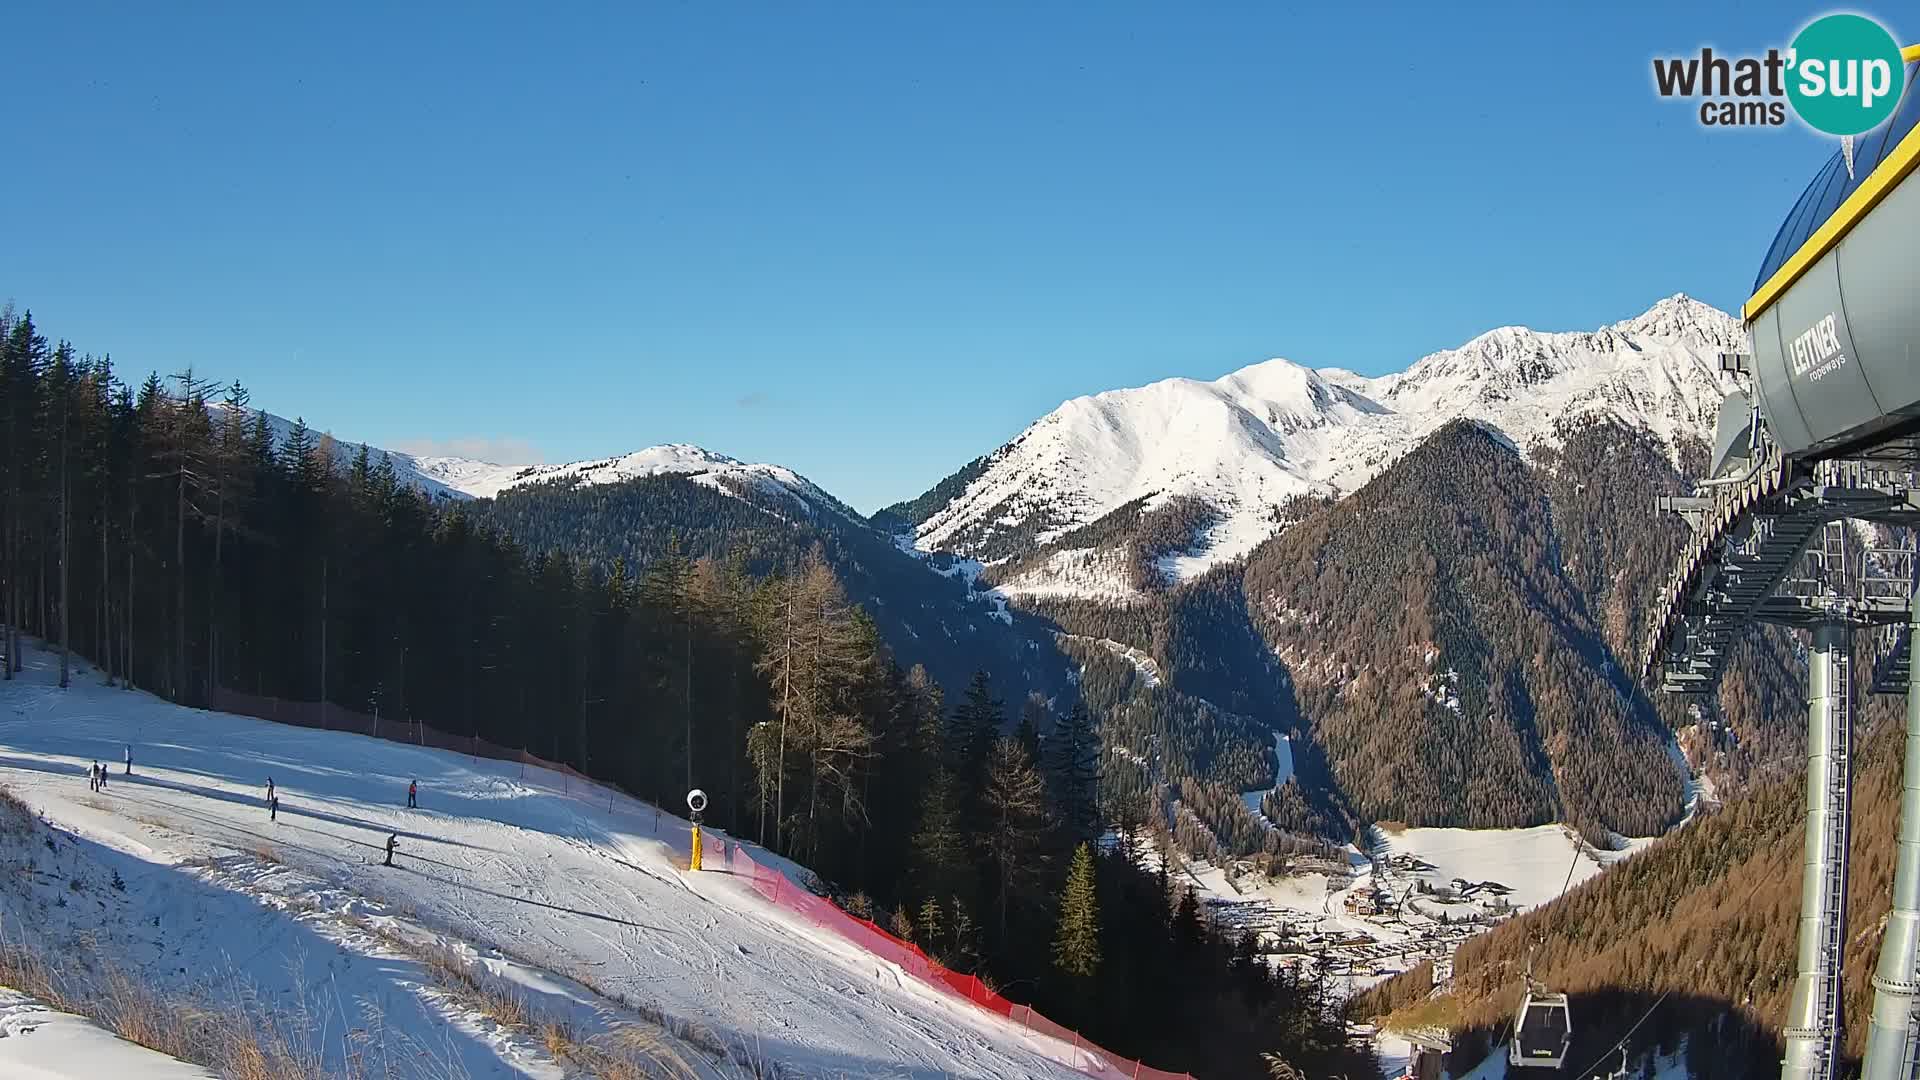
393,840
129,759
413,794
93,777
102,769
273,808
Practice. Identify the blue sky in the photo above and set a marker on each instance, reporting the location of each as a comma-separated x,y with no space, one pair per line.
870,242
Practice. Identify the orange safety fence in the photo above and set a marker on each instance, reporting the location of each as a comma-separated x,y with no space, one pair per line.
771,884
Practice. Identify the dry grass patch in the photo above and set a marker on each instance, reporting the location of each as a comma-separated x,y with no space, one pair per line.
239,1041
16,818
628,1051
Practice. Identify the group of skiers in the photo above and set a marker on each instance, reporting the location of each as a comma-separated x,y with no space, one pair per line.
97,781
97,773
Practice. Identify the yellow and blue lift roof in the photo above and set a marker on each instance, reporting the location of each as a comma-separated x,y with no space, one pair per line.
1835,201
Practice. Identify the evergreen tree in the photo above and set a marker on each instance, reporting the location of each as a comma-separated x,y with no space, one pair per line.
1071,757
1015,802
942,858
977,725
1076,942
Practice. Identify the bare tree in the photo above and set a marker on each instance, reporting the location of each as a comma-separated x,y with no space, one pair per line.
814,653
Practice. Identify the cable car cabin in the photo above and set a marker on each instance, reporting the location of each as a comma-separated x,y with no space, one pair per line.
1541,1032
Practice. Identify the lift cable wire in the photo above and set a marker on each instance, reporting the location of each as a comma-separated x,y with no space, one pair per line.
1583,1074
1571,867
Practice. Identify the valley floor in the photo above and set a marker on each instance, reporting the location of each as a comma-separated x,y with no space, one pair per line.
580,906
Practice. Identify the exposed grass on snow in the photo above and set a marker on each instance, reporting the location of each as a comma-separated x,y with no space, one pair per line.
233,1034
221,1024
627,1052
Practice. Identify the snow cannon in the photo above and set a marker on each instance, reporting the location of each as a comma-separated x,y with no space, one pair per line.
1834,326
696,802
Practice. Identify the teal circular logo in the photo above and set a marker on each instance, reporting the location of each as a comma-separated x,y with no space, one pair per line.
1846,74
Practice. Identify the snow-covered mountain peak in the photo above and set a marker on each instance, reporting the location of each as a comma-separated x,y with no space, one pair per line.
1247,441
1296,390
1681,316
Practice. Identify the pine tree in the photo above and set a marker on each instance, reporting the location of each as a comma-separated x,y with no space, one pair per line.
1033,713
942,861
976,726
1076,942
60,377
1015,802
1188,930
1071,758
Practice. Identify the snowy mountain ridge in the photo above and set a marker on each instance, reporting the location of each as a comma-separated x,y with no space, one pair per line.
1247,442
480,479
467,478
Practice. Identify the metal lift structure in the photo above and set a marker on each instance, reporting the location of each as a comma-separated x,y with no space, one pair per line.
1824,431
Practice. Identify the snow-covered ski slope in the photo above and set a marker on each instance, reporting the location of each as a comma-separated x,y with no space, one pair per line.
575,900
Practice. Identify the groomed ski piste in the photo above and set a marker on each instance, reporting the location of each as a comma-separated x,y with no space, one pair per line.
580,903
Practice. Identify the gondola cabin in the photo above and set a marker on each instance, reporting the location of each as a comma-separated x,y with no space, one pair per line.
1542,1030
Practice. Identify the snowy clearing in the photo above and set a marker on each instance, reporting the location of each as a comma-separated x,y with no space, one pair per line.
578,906
1537,864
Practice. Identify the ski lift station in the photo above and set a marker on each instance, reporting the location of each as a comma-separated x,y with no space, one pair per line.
1824,430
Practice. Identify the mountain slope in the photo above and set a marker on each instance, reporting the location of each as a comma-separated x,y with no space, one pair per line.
634,507
1246,444
927,610
1707,916
1445,660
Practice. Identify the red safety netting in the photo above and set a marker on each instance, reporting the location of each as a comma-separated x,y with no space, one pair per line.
770,883
776,888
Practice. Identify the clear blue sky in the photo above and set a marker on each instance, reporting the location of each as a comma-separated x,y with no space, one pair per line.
868,242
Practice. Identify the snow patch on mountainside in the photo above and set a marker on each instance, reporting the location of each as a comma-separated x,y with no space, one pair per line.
1075,572
968,571
1246,442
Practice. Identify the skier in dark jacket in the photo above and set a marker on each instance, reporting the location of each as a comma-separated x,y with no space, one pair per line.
103,776
413,794
273,808
393,840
